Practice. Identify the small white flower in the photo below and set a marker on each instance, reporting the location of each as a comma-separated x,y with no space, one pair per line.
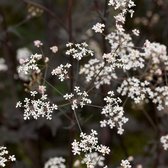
75,148
42,89
135,32
54,49
104,150
98,27
46,59
68,96
18,104
164,141
12,158
33,93
5,157
56,162
38,43
125,164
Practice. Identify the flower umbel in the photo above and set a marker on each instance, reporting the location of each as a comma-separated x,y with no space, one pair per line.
125,164
30,64
88,145
4,157
79,50
114,113
61,71
77,99
56,162
37,107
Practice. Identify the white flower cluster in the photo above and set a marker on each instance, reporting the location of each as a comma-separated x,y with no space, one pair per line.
160,97
61,71
54,49
93,159
5,157
88,145
156,55
125,164
114,113
133,60
30,64
119,41
164,141
125,6
135,89
78,51
136,32
56,162
38,43
156,52
122,4
37,107
122,53
99,72
98,27
78,98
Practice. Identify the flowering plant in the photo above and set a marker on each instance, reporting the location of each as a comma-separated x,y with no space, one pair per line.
87,82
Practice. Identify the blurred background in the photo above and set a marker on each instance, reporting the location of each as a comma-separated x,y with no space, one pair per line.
33,142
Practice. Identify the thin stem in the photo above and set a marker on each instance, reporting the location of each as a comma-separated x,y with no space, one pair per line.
63,113
63,105
53,87
71,132
125,101
45,74
77,74
92,105
77,120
